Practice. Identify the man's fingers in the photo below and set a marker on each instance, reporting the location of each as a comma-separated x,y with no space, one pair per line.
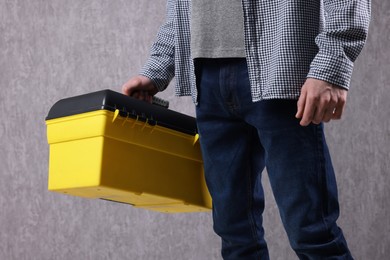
308,112
306,106
144,96
340,106
140,87
318,115
305,109
301,105
328,114
320,102
126,89
338,111
131,87
325,108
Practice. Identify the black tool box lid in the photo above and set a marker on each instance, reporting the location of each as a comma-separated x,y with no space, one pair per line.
127,106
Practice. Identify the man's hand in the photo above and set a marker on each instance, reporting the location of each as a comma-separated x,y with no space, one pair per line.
140,87
320,101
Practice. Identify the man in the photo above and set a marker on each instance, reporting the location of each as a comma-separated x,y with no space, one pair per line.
246,63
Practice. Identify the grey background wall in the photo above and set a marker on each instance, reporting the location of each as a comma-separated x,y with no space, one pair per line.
55,49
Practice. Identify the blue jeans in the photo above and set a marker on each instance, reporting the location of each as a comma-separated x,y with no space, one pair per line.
239,138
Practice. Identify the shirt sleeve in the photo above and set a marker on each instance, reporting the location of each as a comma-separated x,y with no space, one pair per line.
160,66
341,40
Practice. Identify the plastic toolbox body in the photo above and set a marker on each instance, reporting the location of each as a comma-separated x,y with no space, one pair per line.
109,146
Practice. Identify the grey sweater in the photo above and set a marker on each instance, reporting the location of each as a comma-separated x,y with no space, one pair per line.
217,29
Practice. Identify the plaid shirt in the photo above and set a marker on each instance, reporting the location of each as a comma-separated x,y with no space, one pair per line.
285,43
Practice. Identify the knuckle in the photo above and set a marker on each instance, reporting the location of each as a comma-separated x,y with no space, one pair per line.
315,97
326,99
125,89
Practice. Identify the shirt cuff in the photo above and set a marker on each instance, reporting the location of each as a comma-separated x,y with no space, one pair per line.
336,70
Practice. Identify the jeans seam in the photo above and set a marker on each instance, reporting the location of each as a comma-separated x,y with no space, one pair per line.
251,217
321,170
320,151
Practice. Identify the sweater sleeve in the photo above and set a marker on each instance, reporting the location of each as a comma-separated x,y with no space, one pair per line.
160,66
341,40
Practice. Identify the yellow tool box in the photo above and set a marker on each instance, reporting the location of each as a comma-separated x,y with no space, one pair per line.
110,146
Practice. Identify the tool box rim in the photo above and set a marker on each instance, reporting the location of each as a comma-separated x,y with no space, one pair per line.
127,106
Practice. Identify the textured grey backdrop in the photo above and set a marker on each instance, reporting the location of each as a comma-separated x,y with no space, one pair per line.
55,49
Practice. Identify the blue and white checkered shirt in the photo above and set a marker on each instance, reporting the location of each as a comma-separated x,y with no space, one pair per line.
285,43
